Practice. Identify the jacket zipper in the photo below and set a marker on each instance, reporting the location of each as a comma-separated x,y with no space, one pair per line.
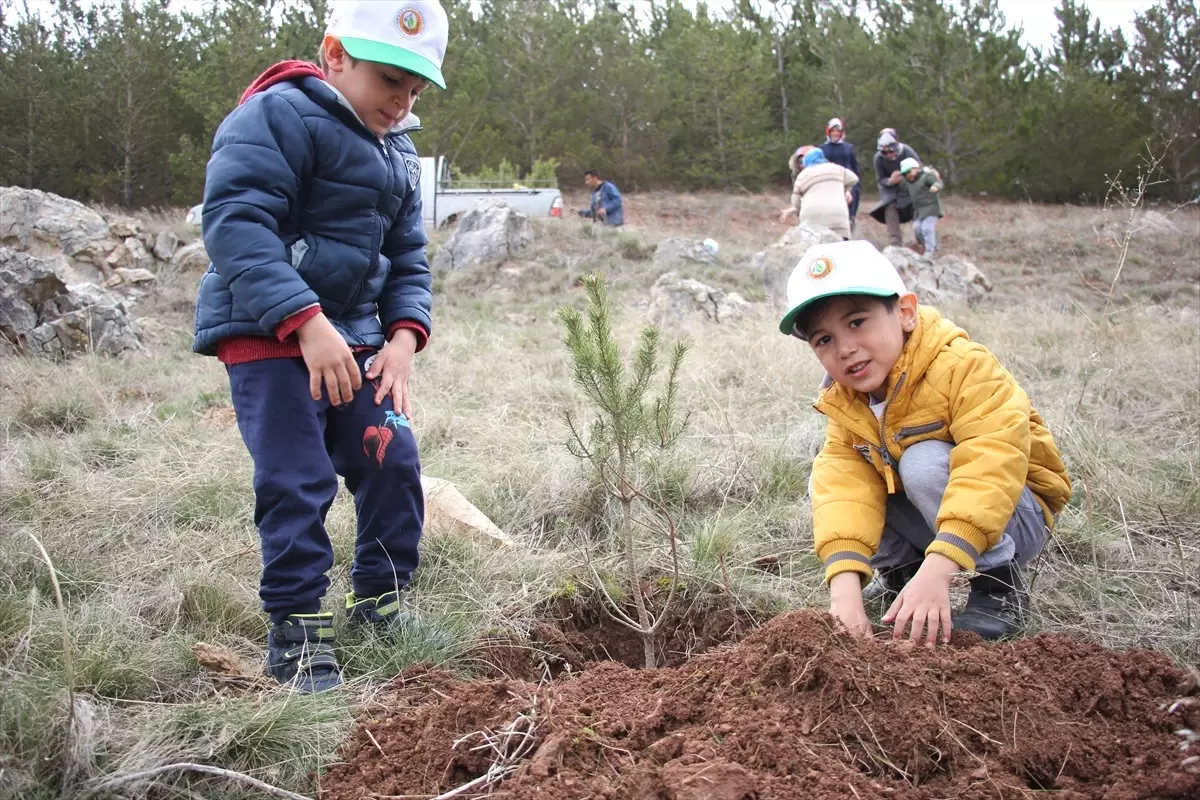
387,160
917,430
889,463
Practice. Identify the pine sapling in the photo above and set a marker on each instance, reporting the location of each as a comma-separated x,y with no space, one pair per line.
629,432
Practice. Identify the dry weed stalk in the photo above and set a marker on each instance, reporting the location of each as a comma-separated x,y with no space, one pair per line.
509,746
205,769
1131,200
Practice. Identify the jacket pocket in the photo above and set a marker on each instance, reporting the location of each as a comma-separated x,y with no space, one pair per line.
918,430
302,250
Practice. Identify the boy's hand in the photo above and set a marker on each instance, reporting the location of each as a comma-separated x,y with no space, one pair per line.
329,360
895,178
393,367
925,601
846,604
933,188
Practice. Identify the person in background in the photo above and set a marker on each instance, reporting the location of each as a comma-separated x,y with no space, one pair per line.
821,194
895,204
607,206
796,160
838,151
924,186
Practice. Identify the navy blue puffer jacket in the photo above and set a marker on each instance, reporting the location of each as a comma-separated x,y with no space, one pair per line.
304,205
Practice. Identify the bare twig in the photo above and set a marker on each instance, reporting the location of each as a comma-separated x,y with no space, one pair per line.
187,766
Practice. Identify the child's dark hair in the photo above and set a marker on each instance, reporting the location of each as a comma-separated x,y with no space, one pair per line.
591,173
800,327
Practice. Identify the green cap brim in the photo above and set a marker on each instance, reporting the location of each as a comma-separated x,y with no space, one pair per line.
788,323
393,56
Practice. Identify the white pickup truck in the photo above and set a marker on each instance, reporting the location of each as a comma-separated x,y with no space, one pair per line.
443,202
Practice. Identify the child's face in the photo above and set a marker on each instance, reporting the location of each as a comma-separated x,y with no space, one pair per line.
912,174
381,95
858,341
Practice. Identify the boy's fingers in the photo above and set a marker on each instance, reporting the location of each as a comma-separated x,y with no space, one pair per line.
931,636
946,624
343,383
890,614
354,372
385,385
314,385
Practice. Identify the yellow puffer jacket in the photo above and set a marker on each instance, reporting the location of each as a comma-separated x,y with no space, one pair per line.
943,387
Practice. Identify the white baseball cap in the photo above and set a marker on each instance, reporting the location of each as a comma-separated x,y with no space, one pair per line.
409,34
827,270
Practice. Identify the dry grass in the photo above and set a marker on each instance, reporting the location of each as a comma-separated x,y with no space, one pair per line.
134,478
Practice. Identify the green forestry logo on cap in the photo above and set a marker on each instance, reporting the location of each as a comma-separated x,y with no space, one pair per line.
410,22
820,268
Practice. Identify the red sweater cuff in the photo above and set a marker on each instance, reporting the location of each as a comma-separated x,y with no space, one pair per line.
415,327
292,324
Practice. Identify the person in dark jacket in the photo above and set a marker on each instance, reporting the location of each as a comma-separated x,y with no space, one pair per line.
838,151
607,205
895,205
319,284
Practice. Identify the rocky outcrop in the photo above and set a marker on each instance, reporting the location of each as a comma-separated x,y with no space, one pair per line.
674,299
945,279
775,264
487,235
674,253
42,315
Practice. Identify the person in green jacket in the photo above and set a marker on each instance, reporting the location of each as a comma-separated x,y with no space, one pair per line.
923,186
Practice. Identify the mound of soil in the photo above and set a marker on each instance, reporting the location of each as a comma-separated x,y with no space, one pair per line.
796,709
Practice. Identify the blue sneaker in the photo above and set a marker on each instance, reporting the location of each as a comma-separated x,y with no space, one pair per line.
300,653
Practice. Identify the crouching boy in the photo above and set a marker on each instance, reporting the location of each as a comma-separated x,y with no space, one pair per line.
934,461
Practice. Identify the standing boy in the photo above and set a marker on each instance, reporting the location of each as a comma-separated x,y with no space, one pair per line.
319,282
934,460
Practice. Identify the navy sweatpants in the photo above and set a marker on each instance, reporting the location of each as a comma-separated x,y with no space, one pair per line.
299,447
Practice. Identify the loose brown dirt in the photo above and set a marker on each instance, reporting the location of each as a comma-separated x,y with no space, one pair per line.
572,633
796,710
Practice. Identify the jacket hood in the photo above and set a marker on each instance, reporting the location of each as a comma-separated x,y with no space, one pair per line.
278,73
311,79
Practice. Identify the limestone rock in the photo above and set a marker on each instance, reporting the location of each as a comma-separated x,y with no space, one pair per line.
447,509
777,261
675,252
52,227
165,245
487,235
191,258
674,298
42,315
939,280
